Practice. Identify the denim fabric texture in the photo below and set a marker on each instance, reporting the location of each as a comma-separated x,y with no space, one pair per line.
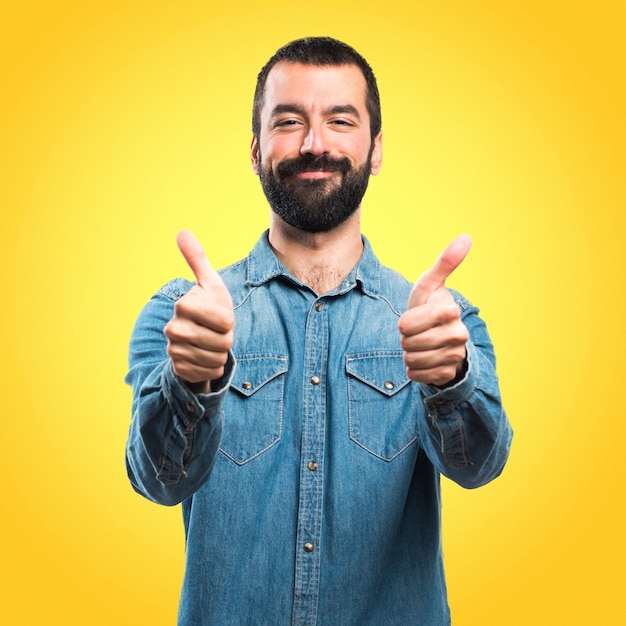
310,479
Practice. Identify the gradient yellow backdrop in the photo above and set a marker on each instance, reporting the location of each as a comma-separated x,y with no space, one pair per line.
122,122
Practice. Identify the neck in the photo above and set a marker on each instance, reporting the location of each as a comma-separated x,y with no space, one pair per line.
319,260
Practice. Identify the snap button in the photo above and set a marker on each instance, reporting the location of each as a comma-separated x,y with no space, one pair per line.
315,380
191,408
247,385
389,385
312,465
309,547
319,306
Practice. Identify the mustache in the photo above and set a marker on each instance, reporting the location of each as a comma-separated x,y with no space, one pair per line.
310,163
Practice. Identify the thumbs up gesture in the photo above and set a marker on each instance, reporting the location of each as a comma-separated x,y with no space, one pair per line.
200,333
433,336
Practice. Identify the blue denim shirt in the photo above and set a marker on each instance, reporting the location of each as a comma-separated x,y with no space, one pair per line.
309,480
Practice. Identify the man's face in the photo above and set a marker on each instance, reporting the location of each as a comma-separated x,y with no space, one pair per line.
314,153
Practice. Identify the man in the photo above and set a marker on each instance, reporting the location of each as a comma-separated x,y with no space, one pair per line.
302,403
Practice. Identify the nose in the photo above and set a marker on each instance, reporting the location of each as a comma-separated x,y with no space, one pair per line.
314,141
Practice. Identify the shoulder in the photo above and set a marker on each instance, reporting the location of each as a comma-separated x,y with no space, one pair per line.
235,277
463,303
396,289
393,288
175,289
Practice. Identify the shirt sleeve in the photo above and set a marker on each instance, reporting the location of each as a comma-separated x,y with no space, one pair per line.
174,434
465,430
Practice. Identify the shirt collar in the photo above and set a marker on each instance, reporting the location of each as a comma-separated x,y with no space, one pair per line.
263,266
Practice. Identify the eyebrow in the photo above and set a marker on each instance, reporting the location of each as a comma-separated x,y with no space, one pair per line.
295,108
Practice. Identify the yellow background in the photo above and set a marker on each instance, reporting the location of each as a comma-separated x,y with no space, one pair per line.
122,122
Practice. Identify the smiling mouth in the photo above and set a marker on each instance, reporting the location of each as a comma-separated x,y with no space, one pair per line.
312,168
316,174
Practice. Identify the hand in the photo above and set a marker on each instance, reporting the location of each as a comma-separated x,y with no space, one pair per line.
433,335
200,333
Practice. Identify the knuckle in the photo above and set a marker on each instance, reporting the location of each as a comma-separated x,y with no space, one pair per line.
222,359
460,335
222,344
182,370
174,331
182,306
410,360
407,321
450,312
225,318
218,373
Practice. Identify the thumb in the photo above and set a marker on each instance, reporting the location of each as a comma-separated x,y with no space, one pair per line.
196,258
436,276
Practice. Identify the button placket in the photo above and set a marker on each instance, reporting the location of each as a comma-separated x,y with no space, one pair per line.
312,450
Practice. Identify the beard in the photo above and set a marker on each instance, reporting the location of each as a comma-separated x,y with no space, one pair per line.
315,205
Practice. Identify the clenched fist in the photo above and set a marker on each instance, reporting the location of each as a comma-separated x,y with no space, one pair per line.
433,335
200,333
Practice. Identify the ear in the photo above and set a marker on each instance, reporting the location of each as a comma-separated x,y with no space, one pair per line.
377,153
254,155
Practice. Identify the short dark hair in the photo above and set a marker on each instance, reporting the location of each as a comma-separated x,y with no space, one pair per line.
320,51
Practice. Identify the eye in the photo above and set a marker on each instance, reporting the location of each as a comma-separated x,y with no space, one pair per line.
286,123
342,122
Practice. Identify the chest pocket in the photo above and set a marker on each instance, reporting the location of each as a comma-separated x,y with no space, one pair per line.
382,413
253,410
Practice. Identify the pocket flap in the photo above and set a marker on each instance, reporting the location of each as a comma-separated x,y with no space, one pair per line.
385,372
252,371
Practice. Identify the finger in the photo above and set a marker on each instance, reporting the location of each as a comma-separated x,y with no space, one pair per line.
449,337
196,357
196,258
439,376
436,276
